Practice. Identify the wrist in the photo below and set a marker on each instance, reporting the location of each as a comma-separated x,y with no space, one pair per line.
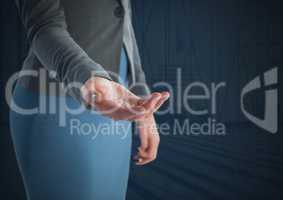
146,120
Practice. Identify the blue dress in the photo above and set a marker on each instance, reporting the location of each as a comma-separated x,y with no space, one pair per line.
87,159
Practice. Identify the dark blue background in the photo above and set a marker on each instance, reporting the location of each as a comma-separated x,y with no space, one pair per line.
211,41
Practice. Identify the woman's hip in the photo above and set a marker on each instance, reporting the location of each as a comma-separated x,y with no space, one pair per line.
88,150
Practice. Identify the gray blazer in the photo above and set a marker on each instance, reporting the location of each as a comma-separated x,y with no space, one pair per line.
71,39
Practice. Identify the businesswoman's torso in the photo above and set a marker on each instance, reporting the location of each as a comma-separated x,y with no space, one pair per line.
97,26
101,28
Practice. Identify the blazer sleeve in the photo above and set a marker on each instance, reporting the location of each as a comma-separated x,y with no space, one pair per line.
44,21
140,86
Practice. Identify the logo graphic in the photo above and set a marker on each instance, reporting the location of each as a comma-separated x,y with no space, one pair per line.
270,121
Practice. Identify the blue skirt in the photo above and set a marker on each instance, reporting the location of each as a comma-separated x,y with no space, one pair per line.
87,158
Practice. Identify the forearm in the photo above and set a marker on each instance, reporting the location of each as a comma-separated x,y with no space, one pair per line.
50,41
57,51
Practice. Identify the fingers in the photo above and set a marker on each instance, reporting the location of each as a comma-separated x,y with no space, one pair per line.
149,104
154,102
148,148
119,111
165,97
128,108
145,107
124,113
149,154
